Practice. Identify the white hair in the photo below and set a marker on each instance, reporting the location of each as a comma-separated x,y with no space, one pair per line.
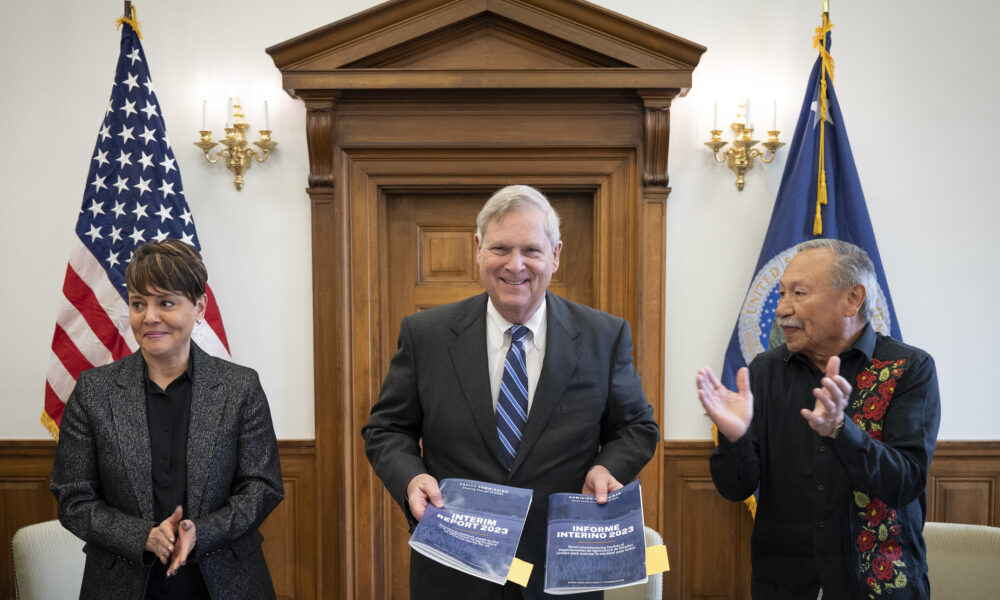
518,197
851,266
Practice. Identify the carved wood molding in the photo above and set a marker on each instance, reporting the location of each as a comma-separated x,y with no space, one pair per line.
322,136
656,135
617,52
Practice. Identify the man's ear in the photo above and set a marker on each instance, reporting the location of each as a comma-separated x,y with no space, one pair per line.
855,298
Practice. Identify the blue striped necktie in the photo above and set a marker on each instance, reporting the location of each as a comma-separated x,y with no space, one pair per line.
512,402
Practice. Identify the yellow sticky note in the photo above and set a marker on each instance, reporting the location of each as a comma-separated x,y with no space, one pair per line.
656,559
520,571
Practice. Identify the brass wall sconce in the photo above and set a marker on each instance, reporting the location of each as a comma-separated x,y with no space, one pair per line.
237,156
742,153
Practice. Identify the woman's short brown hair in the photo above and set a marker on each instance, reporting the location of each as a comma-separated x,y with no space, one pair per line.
169,266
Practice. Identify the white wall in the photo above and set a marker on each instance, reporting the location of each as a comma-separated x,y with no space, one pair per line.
916,81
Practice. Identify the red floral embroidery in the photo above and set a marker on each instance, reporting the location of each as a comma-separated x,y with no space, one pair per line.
876,511
866,540
876,384
879,551
882,567
866,379
874,407
891,549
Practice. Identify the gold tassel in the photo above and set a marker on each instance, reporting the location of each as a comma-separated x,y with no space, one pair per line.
820,191
819,41
132,20
751,503
50,425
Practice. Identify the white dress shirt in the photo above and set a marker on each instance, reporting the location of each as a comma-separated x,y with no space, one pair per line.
498,343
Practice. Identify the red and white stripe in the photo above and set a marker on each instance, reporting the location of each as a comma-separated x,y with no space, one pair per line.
92,329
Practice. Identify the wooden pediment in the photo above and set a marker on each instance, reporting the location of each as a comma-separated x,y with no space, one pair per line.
486,44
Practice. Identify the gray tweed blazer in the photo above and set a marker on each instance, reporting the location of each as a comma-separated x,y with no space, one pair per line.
102,477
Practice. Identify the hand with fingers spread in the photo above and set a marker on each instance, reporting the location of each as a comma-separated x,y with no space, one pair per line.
827,416
186,539
162,537
421,491
730,411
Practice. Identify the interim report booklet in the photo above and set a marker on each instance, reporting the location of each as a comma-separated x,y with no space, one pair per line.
595,546
478,529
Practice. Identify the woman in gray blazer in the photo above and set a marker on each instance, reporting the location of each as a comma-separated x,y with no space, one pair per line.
167,461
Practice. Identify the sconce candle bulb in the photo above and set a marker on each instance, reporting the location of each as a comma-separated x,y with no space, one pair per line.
742,153
236,154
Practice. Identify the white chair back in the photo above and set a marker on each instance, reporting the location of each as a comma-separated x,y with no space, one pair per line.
48,562
652,589
963,561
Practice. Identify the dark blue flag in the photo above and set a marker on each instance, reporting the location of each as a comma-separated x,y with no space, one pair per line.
795,219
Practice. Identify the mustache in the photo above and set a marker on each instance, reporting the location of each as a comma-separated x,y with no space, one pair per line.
789,322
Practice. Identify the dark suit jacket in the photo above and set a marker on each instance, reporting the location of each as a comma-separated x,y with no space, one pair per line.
588,409
102,477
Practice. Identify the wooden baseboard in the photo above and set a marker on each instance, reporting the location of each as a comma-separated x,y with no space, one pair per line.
290,532
708,537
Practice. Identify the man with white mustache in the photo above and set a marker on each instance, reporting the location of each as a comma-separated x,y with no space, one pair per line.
836,428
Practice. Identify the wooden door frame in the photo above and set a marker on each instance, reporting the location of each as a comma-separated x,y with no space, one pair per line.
630,230
347,190
368,174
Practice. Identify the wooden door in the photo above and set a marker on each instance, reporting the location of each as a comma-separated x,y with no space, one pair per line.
431,260
431,257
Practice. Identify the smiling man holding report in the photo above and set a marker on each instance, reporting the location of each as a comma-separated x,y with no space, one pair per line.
516,386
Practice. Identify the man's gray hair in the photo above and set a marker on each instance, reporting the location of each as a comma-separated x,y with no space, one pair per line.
518,197
851,266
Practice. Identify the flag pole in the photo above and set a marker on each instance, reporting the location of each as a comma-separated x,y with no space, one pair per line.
825,69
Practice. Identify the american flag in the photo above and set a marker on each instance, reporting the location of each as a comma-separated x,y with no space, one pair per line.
133,195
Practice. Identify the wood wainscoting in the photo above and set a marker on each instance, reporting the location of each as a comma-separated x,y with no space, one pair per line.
708,537
290,533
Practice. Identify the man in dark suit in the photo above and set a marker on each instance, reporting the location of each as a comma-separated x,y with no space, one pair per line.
449,405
